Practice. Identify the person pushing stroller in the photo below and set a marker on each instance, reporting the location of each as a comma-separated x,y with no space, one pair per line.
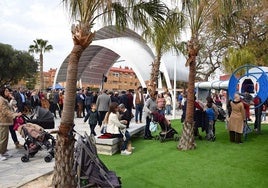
167,132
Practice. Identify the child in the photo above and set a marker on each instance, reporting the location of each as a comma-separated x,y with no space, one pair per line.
93,117
211,118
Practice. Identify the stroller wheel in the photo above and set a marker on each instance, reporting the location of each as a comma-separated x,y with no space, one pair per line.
157,137
24,158
162,139
25,146
48,158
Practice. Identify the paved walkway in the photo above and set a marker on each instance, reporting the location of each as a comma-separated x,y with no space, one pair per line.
14,173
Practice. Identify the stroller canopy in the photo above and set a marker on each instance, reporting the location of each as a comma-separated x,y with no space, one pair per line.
43,114
42,117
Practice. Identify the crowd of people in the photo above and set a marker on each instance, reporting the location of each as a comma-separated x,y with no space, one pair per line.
237,115
112,111
94,107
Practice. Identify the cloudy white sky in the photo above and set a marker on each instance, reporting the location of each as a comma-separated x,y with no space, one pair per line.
22,21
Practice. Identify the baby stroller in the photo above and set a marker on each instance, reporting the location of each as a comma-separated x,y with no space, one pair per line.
167,132
88,167
36,139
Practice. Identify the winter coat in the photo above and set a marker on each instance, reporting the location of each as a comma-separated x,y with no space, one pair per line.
7,114
92,117
114,124
103,102
150,106
237,117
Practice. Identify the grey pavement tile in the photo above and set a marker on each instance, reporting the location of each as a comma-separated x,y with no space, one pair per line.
14,173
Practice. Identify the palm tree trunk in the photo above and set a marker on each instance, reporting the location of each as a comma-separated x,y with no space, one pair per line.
64,158
41,72
187,141
152,85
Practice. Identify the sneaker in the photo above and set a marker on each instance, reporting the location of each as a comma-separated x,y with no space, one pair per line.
125,152
2,158
7,154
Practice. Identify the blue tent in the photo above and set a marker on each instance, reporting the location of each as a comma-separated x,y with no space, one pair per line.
57,86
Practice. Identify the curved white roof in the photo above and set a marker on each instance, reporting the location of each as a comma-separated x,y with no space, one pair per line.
168,64
110,45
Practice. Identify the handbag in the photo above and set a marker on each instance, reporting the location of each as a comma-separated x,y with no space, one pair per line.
246,129
153,126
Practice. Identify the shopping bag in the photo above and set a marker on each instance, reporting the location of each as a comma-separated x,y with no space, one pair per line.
153,126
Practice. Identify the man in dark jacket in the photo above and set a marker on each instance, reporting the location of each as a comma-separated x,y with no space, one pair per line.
21,99
124,114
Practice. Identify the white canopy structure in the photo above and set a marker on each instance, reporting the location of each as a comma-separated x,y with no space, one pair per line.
109,45
168,65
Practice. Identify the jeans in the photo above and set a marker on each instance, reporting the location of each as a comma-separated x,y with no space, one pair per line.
101,116
125,142
13,134
138,112
168,109
92,129
147,132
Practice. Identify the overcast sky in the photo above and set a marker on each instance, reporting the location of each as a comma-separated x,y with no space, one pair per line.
22,21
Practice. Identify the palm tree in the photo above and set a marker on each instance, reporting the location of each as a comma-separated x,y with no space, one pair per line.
87,12
203,16
40,46
163,36
198,14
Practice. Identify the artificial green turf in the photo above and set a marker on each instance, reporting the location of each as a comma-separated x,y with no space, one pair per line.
211,164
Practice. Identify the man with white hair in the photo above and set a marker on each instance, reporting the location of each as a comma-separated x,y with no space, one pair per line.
124,114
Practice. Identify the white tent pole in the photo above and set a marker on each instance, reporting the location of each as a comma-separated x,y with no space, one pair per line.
174,94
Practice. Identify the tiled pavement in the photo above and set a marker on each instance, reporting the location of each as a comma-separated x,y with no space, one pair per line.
15,173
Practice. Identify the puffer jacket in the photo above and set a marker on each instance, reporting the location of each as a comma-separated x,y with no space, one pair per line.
6,112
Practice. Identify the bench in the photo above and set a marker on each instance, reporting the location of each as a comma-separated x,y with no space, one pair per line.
109,146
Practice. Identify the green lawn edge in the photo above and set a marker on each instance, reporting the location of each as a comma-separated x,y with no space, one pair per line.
211,164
